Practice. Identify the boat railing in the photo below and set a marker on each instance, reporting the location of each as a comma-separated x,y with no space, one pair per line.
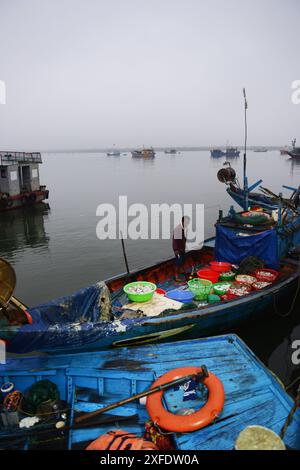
7,158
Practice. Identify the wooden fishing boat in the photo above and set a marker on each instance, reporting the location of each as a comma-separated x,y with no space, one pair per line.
217,153
254,198
294,153
75,322
90,381
143,153
113,153
100,317
232,152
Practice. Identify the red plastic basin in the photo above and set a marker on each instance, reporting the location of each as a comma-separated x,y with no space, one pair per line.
270,276
208,274
220,266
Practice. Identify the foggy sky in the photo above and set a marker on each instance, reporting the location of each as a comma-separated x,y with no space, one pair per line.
93,73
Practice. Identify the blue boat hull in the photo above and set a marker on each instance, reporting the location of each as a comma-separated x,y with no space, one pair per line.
209,320
217,153
262,201
89,381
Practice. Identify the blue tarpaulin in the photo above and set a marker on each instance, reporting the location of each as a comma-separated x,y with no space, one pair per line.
232,246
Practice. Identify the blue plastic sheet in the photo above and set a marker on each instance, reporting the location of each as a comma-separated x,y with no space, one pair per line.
233,247
71,322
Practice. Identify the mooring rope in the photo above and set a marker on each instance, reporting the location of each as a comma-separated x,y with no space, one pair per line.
290,385
290,416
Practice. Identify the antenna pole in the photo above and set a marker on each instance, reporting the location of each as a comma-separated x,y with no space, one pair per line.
245,153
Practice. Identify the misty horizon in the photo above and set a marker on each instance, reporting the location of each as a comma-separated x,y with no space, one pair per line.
93,75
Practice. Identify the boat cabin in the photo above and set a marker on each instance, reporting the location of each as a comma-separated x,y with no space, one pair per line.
20,180
19,172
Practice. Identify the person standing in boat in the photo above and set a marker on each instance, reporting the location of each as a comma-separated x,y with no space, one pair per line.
179,245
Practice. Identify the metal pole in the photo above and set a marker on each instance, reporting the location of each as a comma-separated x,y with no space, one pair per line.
245,153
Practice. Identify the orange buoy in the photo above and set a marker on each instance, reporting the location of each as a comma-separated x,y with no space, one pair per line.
178,423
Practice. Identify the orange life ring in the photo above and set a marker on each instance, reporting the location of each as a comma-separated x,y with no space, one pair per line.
192,422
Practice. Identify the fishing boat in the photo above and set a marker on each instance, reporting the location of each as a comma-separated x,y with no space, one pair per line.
101,316
114,153
19,180
217,153
143,153
294,153
246,197
83,383
171,151
232,152
260,149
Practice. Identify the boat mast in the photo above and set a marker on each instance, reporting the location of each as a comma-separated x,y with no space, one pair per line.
245,154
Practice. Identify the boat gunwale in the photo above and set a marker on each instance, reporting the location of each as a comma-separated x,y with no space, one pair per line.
207,310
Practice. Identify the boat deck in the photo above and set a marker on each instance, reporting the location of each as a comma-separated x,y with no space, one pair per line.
92,380
163,275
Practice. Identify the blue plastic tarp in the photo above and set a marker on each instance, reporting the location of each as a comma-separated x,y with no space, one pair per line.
232,246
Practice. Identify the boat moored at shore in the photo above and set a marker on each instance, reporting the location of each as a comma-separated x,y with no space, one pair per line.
19,180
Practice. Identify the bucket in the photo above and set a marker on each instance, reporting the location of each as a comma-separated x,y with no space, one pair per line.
200,288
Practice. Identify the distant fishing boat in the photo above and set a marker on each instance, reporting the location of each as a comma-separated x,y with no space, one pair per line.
19,180
284,151
295,151
232,152
82,383
260,149
171,151
217,153
113,153
143,153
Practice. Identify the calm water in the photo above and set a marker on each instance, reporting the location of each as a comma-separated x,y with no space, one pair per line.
55,251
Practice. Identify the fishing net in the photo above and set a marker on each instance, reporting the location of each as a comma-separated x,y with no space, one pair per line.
250,264
38,394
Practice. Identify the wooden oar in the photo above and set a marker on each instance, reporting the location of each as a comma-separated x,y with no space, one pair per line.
124,254
159,388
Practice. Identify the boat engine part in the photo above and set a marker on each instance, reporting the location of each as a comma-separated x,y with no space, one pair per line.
226,175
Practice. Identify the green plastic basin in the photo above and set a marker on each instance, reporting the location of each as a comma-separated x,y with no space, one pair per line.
139,297
220,288
200,288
